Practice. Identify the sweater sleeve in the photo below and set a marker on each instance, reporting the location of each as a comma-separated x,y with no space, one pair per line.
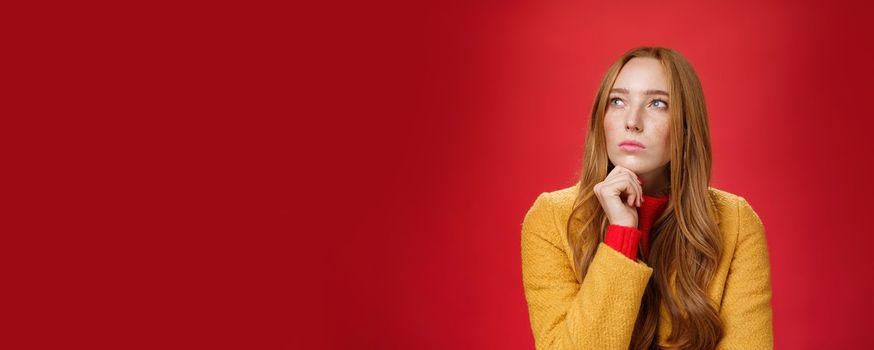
746,305
599,313
623,239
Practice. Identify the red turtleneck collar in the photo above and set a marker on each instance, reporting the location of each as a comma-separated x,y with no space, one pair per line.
625,239
647,213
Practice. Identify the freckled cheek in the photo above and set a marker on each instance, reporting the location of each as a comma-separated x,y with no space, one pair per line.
664,135
610,127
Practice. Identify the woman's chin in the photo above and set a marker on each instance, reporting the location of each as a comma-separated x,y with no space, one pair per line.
636,167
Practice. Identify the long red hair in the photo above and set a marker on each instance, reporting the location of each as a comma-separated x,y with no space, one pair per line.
686,245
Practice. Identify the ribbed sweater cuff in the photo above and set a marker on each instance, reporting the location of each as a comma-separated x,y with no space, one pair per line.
623,239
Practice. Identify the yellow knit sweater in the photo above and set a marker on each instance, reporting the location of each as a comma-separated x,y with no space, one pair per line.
600,313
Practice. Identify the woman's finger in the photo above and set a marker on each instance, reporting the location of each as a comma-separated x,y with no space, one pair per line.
634,183
636,180
619,185
624,185
639,188
632,188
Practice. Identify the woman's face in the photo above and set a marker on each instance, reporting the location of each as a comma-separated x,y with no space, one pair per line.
637,110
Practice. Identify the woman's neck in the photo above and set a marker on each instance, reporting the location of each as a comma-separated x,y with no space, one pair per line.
656,183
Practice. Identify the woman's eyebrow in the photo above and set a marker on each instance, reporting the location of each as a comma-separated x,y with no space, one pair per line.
647,92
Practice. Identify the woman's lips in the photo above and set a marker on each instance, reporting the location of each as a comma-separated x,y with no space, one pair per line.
631,145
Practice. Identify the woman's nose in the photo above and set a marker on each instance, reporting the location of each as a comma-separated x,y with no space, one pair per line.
632,122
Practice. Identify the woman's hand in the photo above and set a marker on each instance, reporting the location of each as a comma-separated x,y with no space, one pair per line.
620,193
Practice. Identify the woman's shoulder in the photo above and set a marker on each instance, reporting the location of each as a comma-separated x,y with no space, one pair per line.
560,200
722,199
549,211
731,206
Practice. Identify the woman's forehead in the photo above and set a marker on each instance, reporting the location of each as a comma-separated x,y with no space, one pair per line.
641,75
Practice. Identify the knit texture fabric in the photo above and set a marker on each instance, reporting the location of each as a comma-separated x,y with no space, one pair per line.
626,239
600,312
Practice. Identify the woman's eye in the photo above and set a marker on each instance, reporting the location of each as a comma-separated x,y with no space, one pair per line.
660,104
616,101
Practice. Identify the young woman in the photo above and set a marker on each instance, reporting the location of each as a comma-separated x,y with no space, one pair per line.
641,253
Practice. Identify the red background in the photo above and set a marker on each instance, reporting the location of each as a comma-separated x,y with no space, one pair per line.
355,175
